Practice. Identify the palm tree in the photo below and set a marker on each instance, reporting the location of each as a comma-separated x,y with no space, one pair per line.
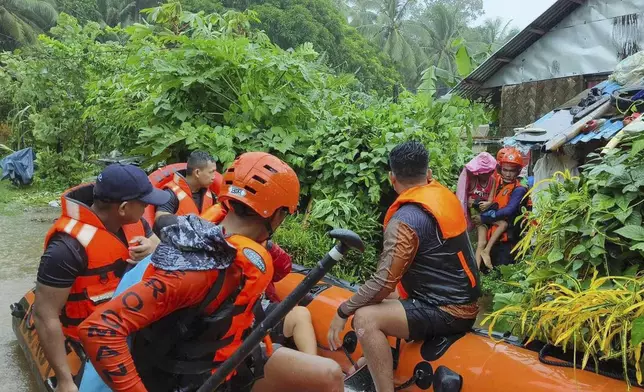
440,31
125,12
437,31
22,20
363,12
495,32
386,23
114,12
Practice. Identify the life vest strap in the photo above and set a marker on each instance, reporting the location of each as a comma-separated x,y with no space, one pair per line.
193,368
196,350
106,269
67,321
82,296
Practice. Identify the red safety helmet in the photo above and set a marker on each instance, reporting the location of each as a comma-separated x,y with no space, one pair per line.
263,182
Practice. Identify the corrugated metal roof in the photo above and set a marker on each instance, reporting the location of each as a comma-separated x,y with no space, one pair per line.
606,132
470,86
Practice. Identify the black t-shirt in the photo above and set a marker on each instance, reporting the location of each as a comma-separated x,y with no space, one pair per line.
172,206
65,258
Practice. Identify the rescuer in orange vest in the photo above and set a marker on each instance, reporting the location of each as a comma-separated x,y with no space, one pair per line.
195,304
503,232
191,194
427,254
86,253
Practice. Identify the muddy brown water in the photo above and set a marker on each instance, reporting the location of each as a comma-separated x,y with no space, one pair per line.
21,237
22,232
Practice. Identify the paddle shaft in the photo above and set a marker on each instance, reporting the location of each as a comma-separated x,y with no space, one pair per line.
280,311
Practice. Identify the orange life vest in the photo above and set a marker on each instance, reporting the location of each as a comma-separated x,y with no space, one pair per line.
221,329
187,205
455,255
502,199
257,269
214,214
106,254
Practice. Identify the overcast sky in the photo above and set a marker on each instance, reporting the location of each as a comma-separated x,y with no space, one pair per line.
522,12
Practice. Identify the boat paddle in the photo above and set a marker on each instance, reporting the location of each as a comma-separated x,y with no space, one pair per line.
347,240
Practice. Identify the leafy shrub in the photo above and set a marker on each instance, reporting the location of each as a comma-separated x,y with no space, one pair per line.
205,85
583,257
62,171
308,242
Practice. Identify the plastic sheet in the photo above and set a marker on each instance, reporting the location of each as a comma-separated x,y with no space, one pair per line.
19,166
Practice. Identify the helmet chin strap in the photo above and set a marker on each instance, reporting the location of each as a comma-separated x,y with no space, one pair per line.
269,229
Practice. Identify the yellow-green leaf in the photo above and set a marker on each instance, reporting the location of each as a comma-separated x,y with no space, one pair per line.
637,331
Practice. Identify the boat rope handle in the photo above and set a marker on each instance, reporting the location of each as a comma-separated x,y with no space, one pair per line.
418,375
346,352
543,353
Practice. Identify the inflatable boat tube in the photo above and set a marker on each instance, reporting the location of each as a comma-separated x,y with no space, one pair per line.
471,362
482,364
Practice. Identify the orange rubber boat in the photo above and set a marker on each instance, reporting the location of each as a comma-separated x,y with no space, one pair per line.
23,326
485,366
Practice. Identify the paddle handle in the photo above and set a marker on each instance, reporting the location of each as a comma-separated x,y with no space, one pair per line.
281,310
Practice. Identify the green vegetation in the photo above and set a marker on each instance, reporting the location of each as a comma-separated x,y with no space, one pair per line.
184,81
428,45
583,254
430,42
22,20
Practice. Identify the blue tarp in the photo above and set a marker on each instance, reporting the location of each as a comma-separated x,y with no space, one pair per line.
19,166
557,121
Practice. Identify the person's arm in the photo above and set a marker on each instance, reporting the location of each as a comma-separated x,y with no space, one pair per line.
104,334
59,266
512,209
282,263
282,266
490,198
169,208
400,245
48,304
141,247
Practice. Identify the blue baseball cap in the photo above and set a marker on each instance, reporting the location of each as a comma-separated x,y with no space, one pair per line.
119,182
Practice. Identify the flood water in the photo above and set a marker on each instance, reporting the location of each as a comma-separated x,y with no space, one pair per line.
21,238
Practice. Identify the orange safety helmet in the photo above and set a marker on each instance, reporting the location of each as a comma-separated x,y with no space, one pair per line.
501,154
263,182
512,156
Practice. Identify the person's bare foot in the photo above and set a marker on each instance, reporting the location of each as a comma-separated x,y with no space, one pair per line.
359,364
487,259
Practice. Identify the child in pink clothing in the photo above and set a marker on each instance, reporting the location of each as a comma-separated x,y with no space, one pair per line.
476,188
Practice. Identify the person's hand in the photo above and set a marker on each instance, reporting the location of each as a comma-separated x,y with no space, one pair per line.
140,247
476,220
337,326
470,203
66,386
484,205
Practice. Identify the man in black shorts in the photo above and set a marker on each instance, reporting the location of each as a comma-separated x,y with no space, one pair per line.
87,251
427,254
